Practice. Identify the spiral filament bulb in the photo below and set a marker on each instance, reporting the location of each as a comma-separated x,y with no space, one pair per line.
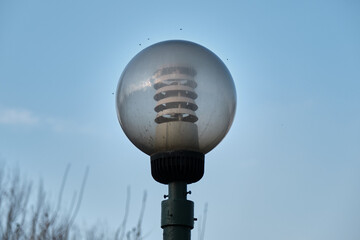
175,107
175,94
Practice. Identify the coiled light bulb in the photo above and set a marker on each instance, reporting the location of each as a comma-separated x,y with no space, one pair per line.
175,107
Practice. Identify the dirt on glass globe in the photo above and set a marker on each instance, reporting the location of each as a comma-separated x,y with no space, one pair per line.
175,96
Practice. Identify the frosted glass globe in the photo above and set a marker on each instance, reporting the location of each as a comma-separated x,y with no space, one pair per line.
175,95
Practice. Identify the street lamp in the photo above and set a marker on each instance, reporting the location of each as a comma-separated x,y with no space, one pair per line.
176,101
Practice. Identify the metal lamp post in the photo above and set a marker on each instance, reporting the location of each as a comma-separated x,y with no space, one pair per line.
176,101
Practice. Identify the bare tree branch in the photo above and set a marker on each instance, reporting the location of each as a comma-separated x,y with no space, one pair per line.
120,231
138,228
72,218
44,222
202,223
63,186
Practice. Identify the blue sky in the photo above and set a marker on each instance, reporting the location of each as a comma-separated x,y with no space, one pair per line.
288,168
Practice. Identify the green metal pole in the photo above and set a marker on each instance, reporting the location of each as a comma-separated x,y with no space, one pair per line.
177,213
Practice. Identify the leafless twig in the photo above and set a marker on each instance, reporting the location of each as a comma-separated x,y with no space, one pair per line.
72,218
120,231
202,223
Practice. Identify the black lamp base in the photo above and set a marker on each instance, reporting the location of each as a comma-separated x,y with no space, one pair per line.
177,166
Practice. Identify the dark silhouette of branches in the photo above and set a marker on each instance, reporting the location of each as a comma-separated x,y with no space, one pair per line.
142,211
202,223
120,232
135,233
73,216
20,220
63,186
39,221
13,202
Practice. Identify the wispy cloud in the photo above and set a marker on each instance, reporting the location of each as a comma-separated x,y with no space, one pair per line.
63,126
17,117
23,117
